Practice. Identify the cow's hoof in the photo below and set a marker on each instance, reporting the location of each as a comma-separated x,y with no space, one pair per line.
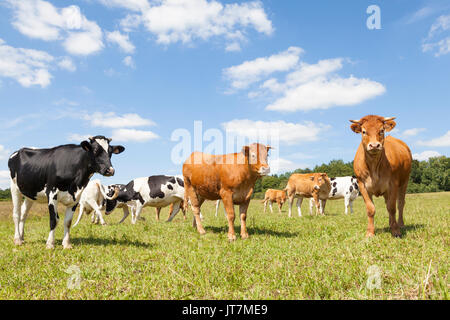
396,233
104,224
231,237
202,232
18,242
50,246
370,234
401,224
244,236
67,246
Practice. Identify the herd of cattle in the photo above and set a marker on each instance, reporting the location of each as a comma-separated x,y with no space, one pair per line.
62,175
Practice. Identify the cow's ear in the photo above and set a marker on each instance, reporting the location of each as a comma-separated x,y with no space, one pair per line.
268,148
86,146
246,151
389,124
118,149
356,126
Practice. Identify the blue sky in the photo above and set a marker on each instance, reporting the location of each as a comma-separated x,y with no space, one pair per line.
138,70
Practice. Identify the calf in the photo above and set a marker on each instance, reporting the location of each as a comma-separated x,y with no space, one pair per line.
229,177
342,188
94,199
154,191
272,195
309,185
382,166
57,175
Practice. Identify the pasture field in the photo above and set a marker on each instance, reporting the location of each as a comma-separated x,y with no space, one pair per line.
311,257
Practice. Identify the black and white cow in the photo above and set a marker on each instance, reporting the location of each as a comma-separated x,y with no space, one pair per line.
154,191
56,175
343,188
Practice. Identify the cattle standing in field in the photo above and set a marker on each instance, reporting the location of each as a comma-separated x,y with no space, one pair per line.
229,177
272,195
57,175
94,198
309,185
154,191
382,166
342,188
171,210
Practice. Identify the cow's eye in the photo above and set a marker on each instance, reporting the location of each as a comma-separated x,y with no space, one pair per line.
364,131
382,132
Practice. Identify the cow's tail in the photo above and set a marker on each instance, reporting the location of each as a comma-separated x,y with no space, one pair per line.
103,192
80,215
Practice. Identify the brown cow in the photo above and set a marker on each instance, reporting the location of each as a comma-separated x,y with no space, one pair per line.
309,185
182,207
229,177
273,195
382,166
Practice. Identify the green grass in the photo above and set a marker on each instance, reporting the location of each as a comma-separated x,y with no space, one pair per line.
298,258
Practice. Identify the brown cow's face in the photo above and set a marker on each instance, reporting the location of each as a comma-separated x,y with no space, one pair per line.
257,158
373,129
320,180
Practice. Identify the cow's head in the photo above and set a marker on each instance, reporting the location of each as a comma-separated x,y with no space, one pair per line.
256,155
373,129
320,180
100,152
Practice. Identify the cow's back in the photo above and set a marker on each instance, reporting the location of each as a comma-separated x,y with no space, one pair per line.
300,184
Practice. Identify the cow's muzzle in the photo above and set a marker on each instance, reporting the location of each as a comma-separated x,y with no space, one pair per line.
109,172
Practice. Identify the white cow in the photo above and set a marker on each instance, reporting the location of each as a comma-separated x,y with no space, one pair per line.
93,199
342,188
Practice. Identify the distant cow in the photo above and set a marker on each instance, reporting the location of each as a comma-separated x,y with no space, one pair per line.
273,195
94,199
382,166
309,185
154,191
57,175
229,177
342,188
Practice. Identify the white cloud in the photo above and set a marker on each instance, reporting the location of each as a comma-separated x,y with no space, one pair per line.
41,20
424,156
324,93
129,62
241,76
439,27
306,86
67,64
287,132
126,135
111,120
77,138
5,179
122,40
280,165
184,21
412,132
233,47
4,153
443,141
27,66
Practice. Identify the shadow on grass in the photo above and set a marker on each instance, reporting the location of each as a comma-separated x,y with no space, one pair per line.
407,228
106,242
254,231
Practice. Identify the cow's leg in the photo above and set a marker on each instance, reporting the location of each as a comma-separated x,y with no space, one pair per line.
175,209
370,208
98,213
67,223
126,213
299,206
26,206
311,206
54,218
136,213
318,203
351,206
291,198
401,204
17,202
270,206
217,207
243,213
227,198
280,205
158,213
323,204
265,205
391,202
347,203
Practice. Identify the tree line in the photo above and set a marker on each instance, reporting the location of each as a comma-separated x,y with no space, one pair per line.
432,175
